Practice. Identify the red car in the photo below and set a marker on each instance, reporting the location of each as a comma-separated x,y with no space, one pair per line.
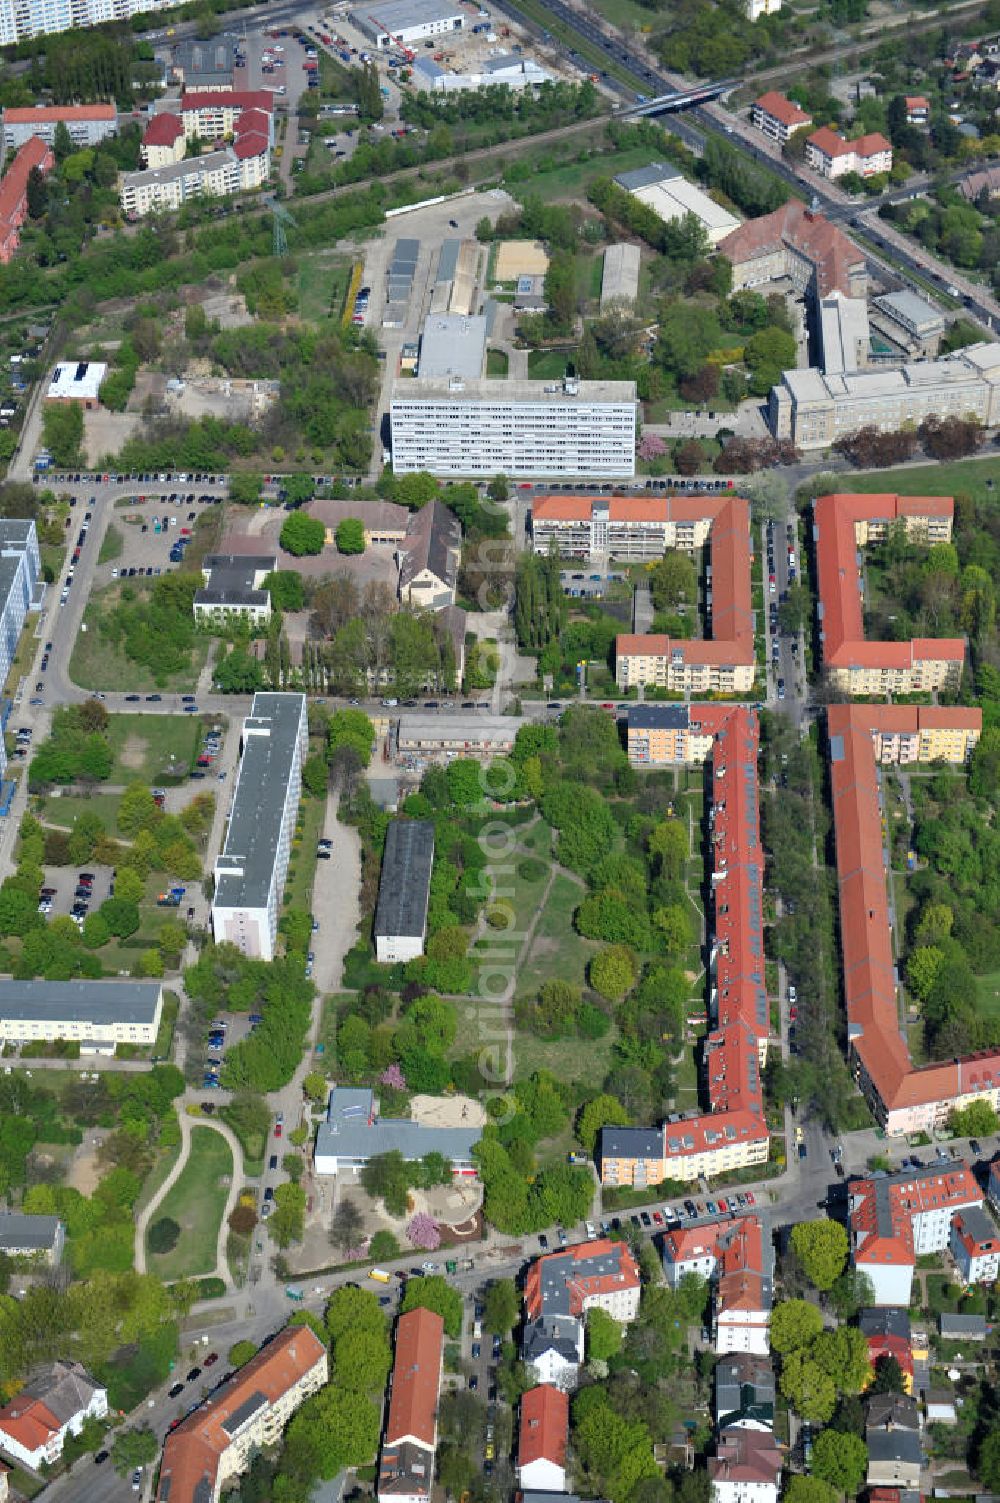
793,1013
212,1357
277,1129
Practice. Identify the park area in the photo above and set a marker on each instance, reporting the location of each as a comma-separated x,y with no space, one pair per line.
186,1222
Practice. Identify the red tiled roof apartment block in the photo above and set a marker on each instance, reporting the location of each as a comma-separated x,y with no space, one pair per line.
726,663
797,243
669,735
406,1465
544,1430
635,529
559,1290
55,1402
163,140
212,113
218,1439
746,1467
842,524
14,193
830,154
903,1098
732,1134
777,116
895,1218
737,1257
87,124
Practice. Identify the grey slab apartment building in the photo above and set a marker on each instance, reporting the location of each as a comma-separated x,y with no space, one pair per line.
404,891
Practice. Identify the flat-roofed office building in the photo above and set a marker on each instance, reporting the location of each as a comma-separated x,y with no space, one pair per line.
517,428
250,873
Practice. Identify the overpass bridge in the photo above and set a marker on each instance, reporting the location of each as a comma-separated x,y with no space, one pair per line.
682,99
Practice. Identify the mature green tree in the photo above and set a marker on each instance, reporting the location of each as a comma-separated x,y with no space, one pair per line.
673,581
351,728
841,1460
600,1112
604,1336
435,1293
386,1177
843,1354
795,1324
502,1307
821,1248
301,534
802,1489
613,972
977,1120
669,847
244,487
347,1226
811,1392
287,1223
350,536
132,1448
240,1353
362,1360
353,1309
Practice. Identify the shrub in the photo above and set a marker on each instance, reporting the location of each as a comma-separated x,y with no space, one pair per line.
163,1235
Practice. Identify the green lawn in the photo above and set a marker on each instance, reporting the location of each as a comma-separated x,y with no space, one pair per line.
555,950
569,1060
97,663
196,1203
112,546
497,363
570,180
548,365
322,283
988,994
154,748
303,862
966,476
63,809
24,656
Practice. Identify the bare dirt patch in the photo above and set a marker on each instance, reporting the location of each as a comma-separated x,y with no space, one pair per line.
447,1111
85,1171
105,432
133,753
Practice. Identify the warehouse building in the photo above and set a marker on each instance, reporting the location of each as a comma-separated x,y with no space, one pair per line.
666,191
477,429
399,282
405,22
95,1014
404,891
250,873
620,277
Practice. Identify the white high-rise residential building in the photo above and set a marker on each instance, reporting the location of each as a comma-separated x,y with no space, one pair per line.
20,588
518,428
20,19
250,873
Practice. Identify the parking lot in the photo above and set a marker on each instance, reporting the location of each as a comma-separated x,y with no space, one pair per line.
65,885
156,531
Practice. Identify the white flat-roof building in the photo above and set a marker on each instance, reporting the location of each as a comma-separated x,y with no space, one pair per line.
77,381
452,345
843,324
813,409
407,21
666,191
95,1014
250,873
234,587
21,587
517,428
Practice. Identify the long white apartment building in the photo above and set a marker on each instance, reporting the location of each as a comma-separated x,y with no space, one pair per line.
523,429
235,169
21,19
250,873
21,587
813,409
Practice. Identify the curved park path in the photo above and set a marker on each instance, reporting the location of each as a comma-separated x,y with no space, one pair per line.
187,1124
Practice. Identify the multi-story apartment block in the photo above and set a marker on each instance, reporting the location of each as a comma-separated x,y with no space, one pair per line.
814,410
96,1014
483,427
14,193
778,117
896,1218
834,157
732,1134
903,1098
88,124
54,1403
22,19
250,873
212,114
726,663
924,733
163,141
797,243
671,735
975,1245
560,1288
406,1465
841,525
744,1290
21,587
240,168
219,1438
636,529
